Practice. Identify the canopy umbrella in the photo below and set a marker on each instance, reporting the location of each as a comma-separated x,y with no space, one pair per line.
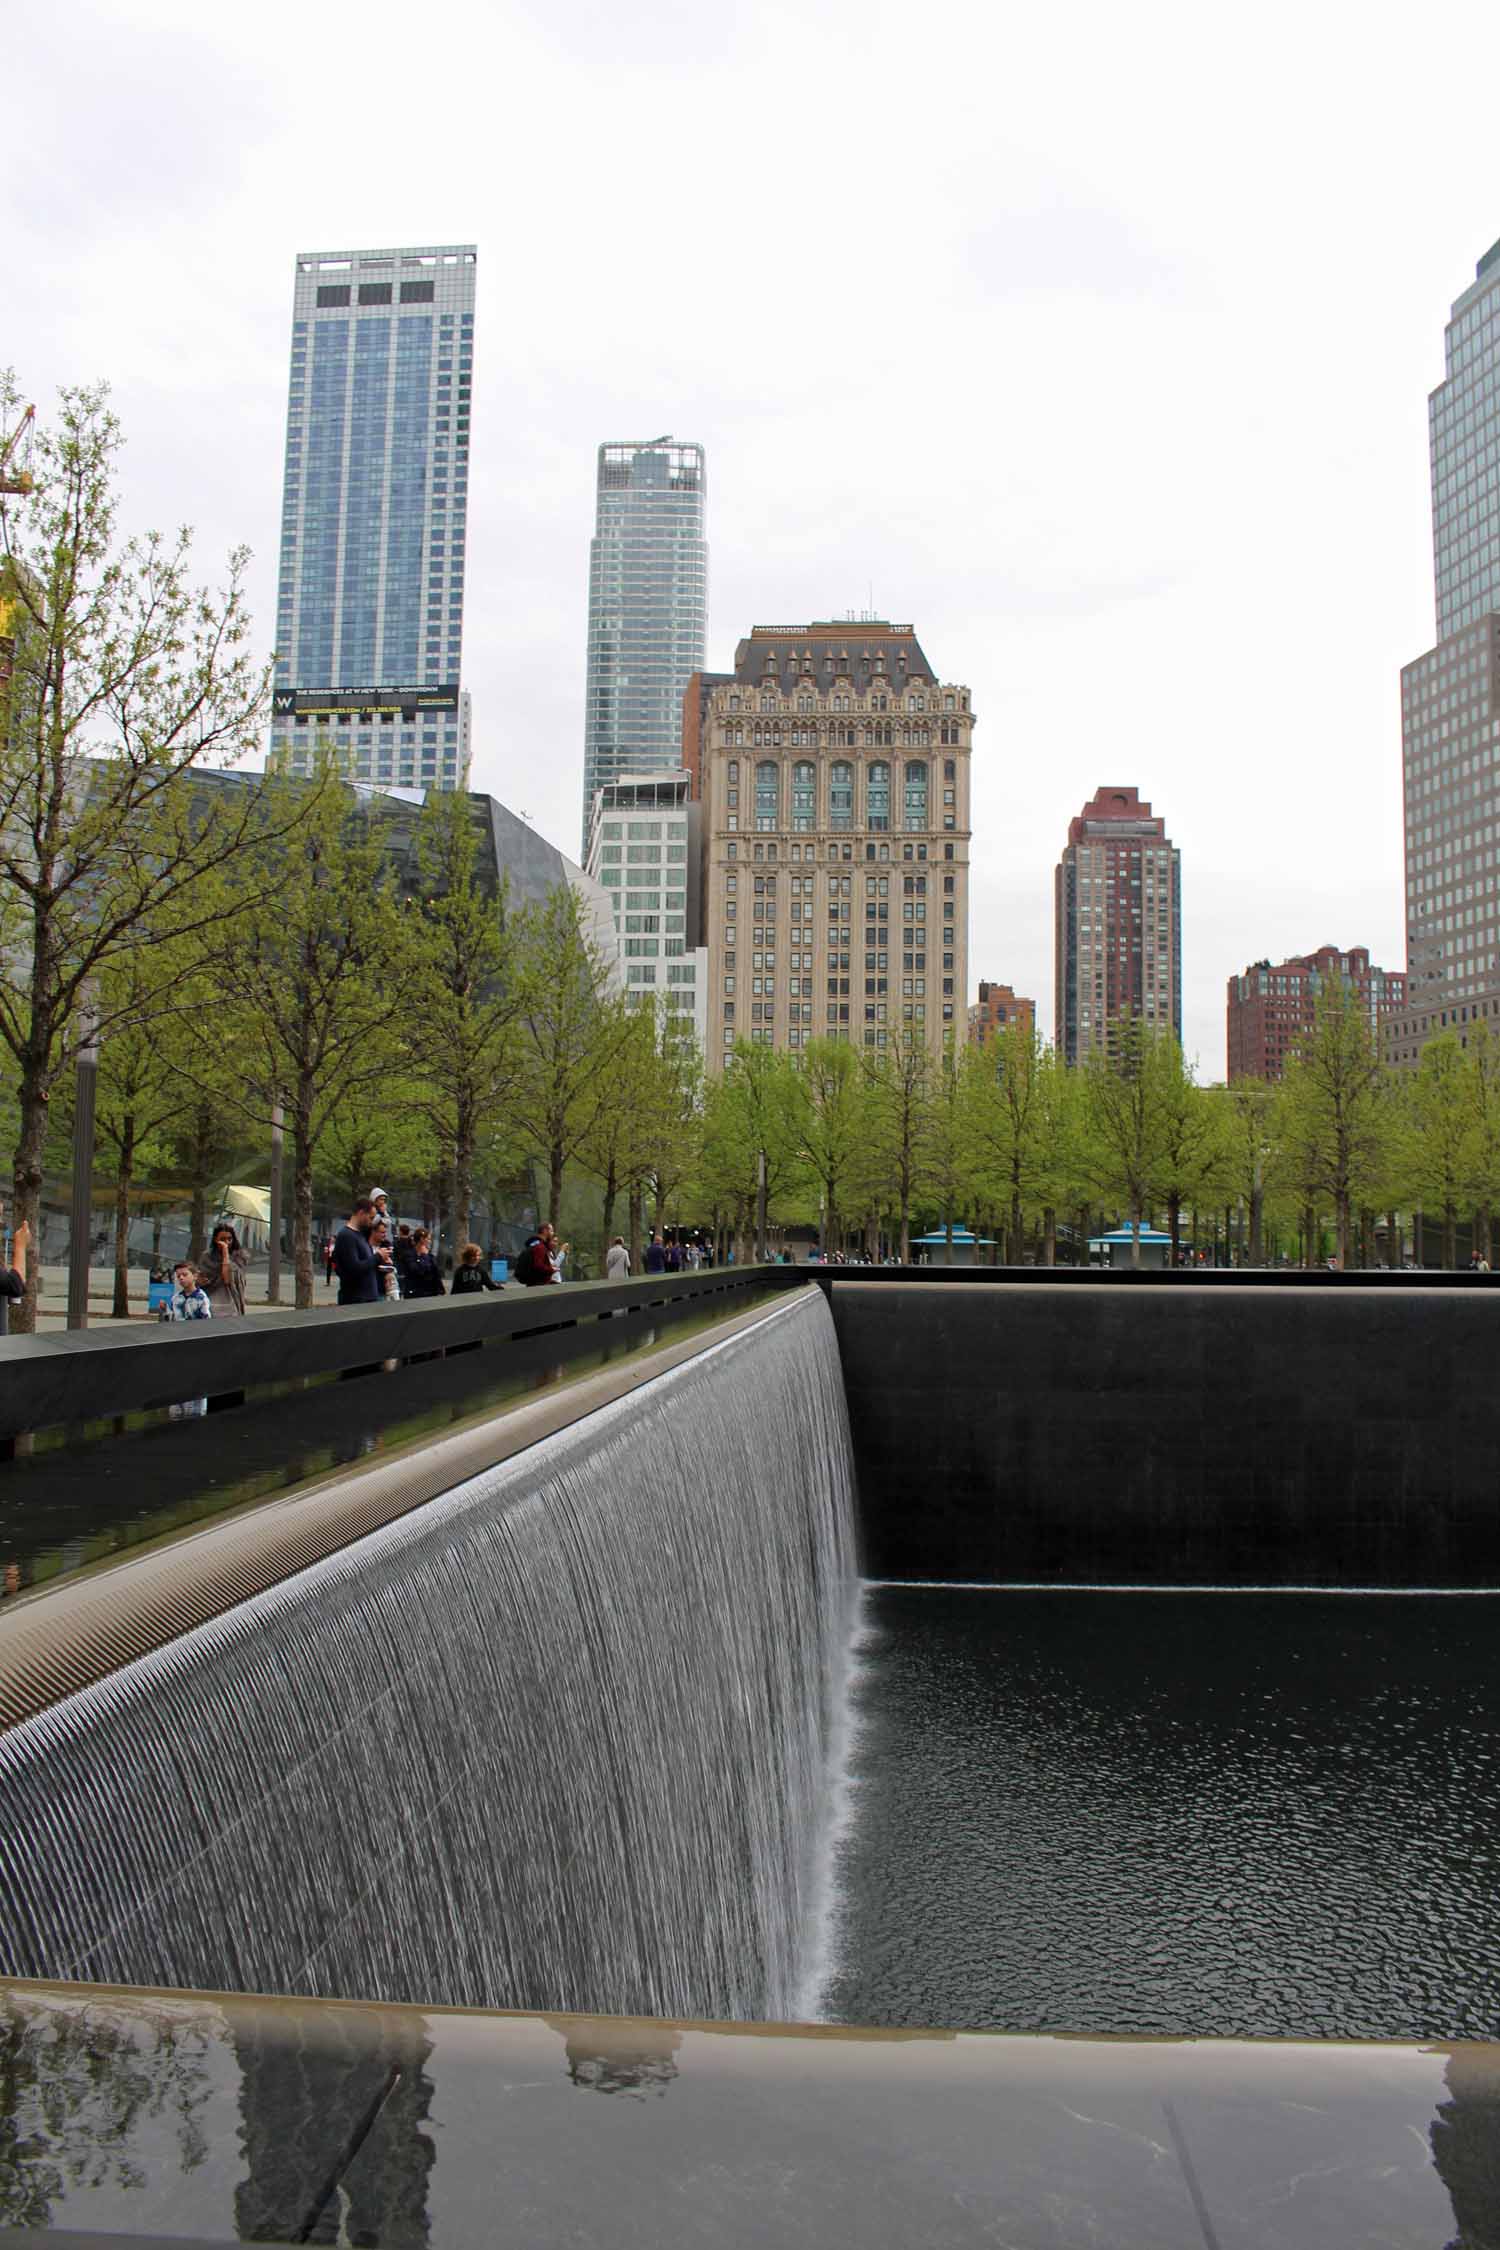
247,1203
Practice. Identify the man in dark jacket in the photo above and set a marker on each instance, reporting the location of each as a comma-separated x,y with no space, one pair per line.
354,1261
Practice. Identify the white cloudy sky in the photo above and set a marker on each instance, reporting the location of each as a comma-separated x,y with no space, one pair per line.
1095,341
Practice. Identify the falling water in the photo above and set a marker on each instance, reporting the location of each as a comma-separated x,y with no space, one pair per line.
557,1740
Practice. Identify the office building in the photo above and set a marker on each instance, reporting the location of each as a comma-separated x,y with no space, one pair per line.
996,1009
1450,700
1271,1007
836,841
369,614
648,609
1118,925
645,853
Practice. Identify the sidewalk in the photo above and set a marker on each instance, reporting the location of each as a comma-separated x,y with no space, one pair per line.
52,1302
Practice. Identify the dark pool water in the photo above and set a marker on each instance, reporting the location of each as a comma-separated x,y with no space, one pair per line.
1231,1814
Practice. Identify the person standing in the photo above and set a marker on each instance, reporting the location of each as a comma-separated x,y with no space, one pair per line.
423,1276
656,1256
354,1260
469,1275
13,1278
617,1260
188,1301
537,1264
222,1274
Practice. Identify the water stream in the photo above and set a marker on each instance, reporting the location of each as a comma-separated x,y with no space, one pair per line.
557,1740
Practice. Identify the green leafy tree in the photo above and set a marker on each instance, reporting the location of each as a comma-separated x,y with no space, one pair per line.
1192,1157
834,1114
127,680
1440,1149
1005,1089
464,989
1247,1145
900,1080
140,1089
571,1029
1128,1122
309,958
1334,1120
753,1116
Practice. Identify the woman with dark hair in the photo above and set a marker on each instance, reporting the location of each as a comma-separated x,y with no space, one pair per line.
221,1276
423,1277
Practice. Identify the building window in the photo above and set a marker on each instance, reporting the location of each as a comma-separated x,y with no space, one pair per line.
804,794
878,796
841,795
916,793
767,795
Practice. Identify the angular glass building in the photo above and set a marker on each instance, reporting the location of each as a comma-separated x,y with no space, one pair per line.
369,613
648,609
1463,416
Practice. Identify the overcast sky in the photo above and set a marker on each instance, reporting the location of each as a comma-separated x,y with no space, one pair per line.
1095,342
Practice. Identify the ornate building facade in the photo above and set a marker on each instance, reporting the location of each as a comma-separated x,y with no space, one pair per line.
835,782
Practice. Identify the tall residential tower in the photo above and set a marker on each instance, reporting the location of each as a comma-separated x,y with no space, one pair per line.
1119,924
648,610
369,613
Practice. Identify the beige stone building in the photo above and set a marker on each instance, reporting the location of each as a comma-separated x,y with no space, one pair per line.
835,784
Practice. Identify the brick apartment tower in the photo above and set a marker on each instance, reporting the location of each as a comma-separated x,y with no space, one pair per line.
1270,1008
996,1009
835,780
1118,924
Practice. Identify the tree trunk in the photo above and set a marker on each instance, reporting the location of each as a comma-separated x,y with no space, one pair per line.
1309,1238
26,1190
1482,1232
1393,1241
1135,1234
1418,1239
1257,1226
1049,1235
1341,1213
302,1195
607,1217
635,1227
555,1184
905,1227
1014,1249
1366,1239
1174,1225
1450,1236
120,1309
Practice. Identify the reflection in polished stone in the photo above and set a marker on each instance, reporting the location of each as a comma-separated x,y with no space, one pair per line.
332,2102
146,2116
613,2055
80,2087
1466,2147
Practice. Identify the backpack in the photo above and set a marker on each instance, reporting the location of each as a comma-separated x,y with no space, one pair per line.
534,1264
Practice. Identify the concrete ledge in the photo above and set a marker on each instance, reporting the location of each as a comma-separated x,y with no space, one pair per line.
84,1375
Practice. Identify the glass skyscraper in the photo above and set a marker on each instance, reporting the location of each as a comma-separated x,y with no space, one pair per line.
1463,416
369,614
1450,702
648,609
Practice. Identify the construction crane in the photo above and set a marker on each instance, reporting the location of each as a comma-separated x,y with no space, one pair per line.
17,479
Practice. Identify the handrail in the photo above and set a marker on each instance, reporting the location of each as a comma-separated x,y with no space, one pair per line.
82,1375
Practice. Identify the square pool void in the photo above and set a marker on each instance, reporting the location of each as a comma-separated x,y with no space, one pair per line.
1231,1814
